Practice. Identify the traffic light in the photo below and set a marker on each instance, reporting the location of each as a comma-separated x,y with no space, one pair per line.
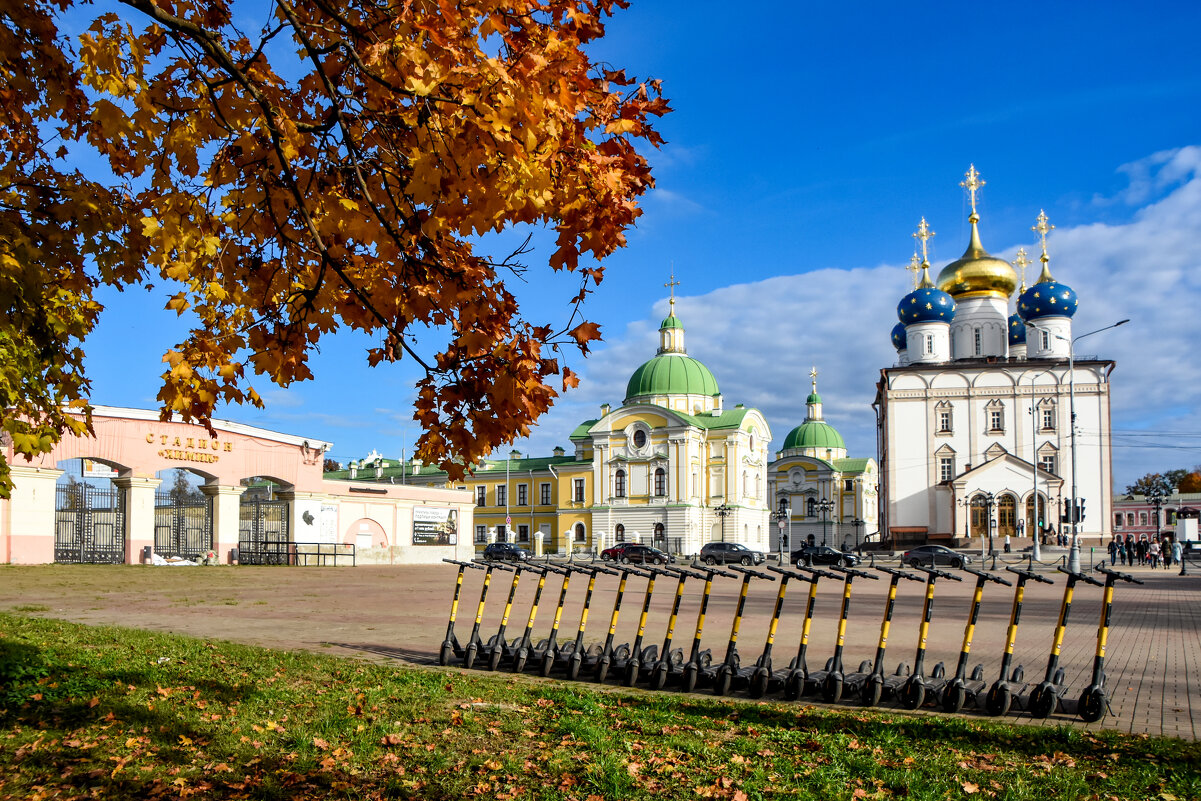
1066,515
1079,510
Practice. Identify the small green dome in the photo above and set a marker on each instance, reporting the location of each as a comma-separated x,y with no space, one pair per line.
671,374
671,321
813,398
813,434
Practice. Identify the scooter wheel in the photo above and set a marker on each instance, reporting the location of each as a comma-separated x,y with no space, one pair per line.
721,683
1017,675
548,663
689,679
832,688
1042,701
873,691
445,653
519,660
1092,705
978,673
794,685
494,657
658,677
953,698
573,666
758,686
913,694
602,669
469,654
631,676
998,700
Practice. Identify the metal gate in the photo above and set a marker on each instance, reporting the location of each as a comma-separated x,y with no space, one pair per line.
263,533
183,524
89,524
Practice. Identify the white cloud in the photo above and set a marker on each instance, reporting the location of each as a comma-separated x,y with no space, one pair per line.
761,338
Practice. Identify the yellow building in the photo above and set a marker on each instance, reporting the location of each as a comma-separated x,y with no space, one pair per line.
671,466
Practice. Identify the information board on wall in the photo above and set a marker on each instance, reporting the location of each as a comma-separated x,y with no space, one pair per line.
328,532
435,525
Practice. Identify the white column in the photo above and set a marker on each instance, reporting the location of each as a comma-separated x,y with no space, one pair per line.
227,518
139,514
31,506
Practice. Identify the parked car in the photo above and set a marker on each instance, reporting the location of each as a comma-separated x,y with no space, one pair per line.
506,552
614,554
935,555
725,552
645,554
823,555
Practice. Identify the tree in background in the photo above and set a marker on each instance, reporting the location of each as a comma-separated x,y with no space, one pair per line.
1191,482
329,171
1149,482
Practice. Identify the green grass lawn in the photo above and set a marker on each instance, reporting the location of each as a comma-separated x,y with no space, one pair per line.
116,713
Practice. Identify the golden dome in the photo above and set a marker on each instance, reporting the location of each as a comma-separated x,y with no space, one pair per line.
977,273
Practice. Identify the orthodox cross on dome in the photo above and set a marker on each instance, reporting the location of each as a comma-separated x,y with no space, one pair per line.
1042,228
671,287
924,235
972,184
915,267
1022,262
813,375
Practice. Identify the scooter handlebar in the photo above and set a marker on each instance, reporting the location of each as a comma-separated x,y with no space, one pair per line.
819,573
781,570
753,573
850,571
1029,574
712,570
1081,577
987,576
1117,575
892,571
495,566
594,569
934,571
471,565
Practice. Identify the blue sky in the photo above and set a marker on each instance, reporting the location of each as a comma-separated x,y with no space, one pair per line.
805,145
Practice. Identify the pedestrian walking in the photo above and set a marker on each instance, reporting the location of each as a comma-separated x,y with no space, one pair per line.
1177,552
1153,553
1113,551
1008,544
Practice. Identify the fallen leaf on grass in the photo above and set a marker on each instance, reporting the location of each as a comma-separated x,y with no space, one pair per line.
970,788
320,744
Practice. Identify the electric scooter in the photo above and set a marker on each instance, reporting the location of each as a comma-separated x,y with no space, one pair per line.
450,644
522,650
572,653
699,660
955,691
474,644
798,670
496,645
1093,703
657,663
830,680
600,658
1009,685
631,665
1049,692
723,676
760,676
869,683
912,688
546,650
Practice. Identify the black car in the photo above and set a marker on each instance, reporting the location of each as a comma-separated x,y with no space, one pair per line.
506,552
823,555
934,555
645,554
725,552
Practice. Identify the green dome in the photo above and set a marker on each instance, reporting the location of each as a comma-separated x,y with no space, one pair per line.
813,398
813,434
670,321
671,374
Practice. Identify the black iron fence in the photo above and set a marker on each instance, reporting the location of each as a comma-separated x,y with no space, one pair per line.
298,554
89,524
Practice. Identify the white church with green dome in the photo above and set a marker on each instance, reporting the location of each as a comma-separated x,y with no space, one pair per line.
821,496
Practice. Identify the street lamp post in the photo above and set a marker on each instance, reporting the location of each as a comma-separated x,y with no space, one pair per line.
1155,497
1074,551
723,512
783,514
825,505
858,524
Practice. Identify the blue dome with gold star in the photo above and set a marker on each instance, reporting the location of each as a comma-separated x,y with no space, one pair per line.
926,305
1047,299
1017,331
899,340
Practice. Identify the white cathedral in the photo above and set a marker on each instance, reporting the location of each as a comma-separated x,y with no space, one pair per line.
975,418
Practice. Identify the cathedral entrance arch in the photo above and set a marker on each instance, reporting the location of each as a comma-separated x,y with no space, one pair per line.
980,519
183,515
1007,516
89,514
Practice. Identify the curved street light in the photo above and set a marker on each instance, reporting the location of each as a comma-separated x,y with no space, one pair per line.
723,512
825,505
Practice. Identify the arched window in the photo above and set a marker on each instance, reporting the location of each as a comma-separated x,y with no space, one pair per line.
660,482
619,533
1007,515
783,505
619,484
811,508
579,532
660,536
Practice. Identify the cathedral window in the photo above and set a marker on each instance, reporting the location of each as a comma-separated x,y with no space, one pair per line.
1049,419
619,533
996,418
619,484
523,496
579,527
810,508
979,343
946,468
660,482
1044,338
639,439
945,424
544,494
578,485
481,496
929,344
1047,462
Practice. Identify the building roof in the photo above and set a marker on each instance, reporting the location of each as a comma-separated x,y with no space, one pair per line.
813,434
671,374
